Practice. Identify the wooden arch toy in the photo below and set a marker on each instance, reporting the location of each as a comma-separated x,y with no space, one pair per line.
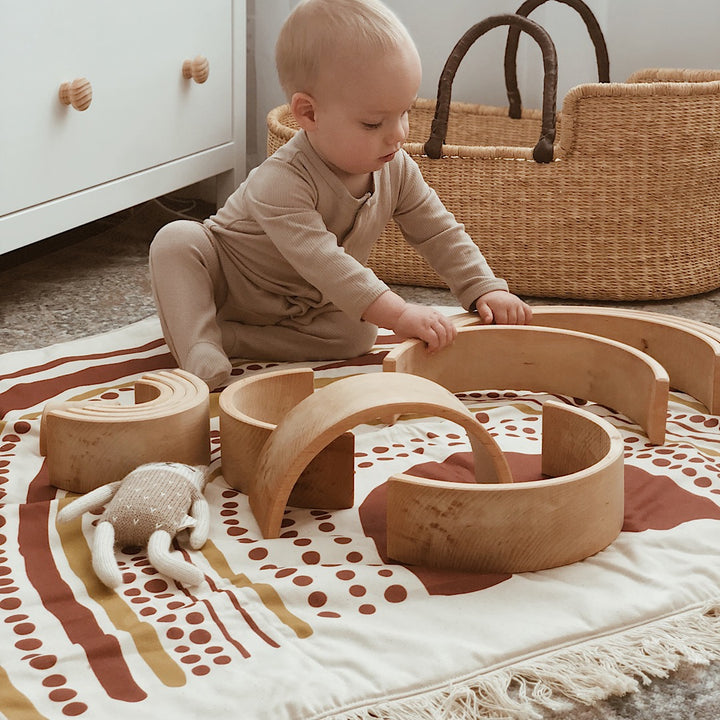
545,359
688,350
329,412
518,527
89,444
689,353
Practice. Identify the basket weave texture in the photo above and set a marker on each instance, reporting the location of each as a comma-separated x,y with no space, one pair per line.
629,209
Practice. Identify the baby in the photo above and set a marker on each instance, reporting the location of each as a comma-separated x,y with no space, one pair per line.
279,272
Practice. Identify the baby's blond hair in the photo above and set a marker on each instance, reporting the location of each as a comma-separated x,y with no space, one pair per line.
317,29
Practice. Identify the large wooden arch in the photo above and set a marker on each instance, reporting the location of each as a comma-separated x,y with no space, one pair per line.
90,443
520,527
542,359
688,350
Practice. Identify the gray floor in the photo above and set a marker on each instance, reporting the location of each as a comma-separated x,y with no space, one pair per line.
95,279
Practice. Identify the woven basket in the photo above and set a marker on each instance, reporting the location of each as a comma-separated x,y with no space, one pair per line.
626,208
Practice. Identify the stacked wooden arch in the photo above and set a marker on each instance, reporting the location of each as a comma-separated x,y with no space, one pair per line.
89,444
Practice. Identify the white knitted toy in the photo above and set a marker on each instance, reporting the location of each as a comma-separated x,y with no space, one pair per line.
149,506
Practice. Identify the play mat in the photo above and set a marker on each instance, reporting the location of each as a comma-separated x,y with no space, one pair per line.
319,623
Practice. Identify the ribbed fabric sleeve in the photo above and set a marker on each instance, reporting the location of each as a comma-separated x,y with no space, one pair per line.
292,240
436,235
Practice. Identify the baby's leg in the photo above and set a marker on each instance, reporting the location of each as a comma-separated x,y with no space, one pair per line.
330,335
188,285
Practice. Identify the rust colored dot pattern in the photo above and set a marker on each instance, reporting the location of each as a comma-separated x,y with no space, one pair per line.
198,639
308,563
28,642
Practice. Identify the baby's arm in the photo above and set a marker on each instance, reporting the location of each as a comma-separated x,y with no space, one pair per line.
503,308
411,321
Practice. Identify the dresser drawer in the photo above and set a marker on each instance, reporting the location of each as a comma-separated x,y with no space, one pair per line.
143,113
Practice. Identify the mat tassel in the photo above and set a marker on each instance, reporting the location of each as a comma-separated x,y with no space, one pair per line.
594,671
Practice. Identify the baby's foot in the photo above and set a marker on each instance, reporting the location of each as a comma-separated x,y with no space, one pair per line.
209,363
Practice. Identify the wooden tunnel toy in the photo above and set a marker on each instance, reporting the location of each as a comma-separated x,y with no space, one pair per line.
688,350
518,527
542,359
88,444
319,418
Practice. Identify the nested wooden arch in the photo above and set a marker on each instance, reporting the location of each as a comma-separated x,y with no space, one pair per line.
517,527
543,359
88,444
688,350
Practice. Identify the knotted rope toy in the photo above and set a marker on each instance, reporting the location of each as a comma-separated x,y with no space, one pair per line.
148,507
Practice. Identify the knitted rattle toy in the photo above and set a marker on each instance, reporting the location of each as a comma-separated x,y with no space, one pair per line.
149,506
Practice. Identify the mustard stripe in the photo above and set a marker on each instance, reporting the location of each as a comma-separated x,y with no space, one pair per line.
142,633
214,404
267,593
15,705
694,404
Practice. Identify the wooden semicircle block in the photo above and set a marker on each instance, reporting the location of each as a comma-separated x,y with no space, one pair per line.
688,350
336,408
524,526
690,355
89,444
540,359
250,410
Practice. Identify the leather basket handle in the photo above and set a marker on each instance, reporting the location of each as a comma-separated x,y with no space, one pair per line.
543,150
513,39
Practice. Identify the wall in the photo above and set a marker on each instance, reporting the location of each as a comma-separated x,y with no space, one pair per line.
639,34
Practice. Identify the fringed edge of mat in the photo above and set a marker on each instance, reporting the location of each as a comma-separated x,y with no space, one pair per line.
597,669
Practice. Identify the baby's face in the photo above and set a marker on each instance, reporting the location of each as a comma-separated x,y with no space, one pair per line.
362,110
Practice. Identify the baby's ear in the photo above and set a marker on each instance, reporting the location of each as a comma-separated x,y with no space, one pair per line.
302,107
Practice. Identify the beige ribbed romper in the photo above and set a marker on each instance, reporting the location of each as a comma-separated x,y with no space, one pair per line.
279,272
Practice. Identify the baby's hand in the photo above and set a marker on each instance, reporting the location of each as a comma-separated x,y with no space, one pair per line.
431,326
503,308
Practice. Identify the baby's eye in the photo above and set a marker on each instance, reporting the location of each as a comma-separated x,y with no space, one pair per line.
371,126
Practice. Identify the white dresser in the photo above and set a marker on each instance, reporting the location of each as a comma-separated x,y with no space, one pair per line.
149,128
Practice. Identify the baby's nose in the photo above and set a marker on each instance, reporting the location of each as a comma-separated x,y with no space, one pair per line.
397,133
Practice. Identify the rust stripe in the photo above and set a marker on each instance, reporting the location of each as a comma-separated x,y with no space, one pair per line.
29,394
267,593
143,634
216,619
246,615
371,358
75,358
103,651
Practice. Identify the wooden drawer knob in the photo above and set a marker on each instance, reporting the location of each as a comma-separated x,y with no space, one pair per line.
198,69
77,93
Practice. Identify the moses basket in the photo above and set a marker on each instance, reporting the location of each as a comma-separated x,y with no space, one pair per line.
619,199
